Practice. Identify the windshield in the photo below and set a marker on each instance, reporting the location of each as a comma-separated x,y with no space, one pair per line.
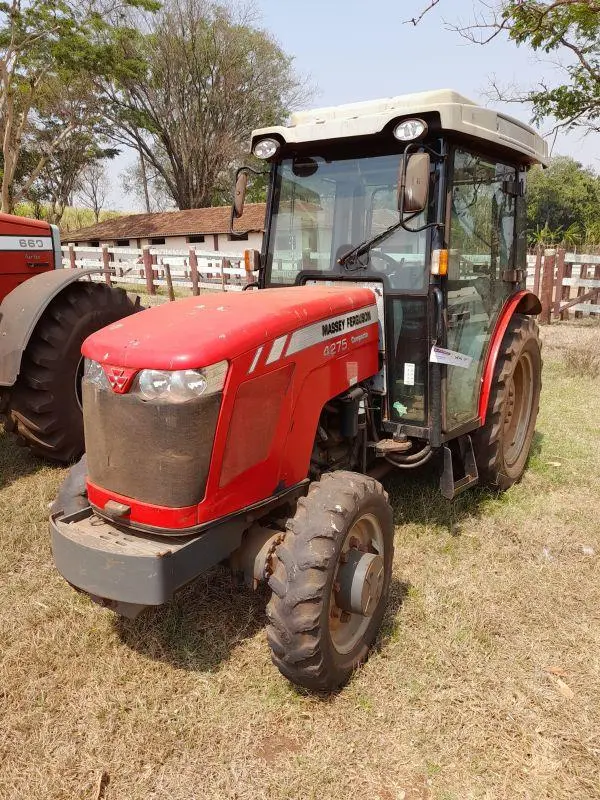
323,208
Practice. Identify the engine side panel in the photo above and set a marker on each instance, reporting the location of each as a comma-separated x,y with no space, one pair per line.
26,249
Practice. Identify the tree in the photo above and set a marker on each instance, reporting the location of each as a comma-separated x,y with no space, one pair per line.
93,188
210,77
563,201
43,44
569,29
49,188
143,182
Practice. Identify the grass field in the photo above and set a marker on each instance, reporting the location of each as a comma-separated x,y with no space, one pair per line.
485,684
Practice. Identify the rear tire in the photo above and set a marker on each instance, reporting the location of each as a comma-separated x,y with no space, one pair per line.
502,446
44,405
344,518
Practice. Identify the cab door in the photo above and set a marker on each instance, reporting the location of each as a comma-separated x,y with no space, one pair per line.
482,247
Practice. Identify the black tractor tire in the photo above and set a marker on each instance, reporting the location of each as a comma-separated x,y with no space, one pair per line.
72,495
44,405
302,608
502,445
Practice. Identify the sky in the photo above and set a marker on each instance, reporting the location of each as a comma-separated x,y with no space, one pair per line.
352,50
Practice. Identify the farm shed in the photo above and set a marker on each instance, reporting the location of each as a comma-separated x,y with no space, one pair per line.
176,230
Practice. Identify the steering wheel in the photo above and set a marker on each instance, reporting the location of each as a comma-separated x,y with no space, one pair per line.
391,262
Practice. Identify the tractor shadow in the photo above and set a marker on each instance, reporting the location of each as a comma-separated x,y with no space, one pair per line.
199,629
16,462
416,499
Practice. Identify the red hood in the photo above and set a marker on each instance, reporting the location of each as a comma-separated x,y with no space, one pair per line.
199,331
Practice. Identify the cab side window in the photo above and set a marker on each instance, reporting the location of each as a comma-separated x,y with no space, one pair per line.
482,245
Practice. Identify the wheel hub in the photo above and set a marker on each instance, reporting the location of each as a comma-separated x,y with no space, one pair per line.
360,582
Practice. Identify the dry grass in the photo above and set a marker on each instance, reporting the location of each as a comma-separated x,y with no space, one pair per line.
485,684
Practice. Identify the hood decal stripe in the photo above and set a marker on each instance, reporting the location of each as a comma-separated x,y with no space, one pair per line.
332,327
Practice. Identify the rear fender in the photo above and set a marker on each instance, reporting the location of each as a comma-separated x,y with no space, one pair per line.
22,309
523,302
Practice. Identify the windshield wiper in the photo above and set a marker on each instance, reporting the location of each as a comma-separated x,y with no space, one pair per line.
365,246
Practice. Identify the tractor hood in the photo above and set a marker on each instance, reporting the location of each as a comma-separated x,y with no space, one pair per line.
200,331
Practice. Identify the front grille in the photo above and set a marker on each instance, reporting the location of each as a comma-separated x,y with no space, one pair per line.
157,453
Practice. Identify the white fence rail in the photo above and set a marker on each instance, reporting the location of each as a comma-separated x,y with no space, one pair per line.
154,266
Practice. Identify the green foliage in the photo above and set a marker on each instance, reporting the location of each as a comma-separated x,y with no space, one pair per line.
73,217
563,203
567,30
571,30
52,53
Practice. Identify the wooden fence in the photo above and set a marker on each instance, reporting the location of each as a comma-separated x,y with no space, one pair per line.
551,274
153,267
555,274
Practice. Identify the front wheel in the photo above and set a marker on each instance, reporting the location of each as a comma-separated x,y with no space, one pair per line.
331,581
502,446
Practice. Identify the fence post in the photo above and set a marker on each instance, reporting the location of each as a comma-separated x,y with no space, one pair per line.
547,284
566,290
106,264
597,295
169,282
538,271
194,272
583,273
560,274
223,262
150,288
72,263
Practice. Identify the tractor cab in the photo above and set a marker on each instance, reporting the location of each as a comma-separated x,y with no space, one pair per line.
421,198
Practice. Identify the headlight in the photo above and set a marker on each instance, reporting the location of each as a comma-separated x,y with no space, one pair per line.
95,374
181,385
265,148
410,129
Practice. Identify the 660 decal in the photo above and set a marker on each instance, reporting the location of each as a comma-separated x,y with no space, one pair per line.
25,243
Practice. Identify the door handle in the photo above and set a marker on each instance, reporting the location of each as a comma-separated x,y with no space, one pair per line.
438,298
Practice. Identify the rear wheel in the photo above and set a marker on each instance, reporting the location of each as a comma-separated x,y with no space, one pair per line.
44,405
502,445
331,581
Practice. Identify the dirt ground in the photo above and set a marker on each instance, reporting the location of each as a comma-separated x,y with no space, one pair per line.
484,685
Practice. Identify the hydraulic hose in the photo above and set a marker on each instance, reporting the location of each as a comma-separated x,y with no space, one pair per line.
412,461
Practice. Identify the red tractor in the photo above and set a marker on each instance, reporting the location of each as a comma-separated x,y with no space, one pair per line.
389,324
45,314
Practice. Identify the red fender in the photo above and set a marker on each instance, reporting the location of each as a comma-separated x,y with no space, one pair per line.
523,302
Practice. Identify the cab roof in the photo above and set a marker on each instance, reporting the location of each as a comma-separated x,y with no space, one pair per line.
457,113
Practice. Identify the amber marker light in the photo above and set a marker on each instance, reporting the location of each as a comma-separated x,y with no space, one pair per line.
439,262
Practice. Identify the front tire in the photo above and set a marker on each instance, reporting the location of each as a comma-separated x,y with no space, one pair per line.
502,446
44,405
331,581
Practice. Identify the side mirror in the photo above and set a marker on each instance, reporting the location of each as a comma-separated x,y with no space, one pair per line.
239,195
413,183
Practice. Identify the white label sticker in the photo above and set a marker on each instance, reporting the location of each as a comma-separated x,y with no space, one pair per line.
409,374
451,358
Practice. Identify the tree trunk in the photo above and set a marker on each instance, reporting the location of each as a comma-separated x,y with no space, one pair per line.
144,181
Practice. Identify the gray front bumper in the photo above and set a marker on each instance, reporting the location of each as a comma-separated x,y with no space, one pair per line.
131,567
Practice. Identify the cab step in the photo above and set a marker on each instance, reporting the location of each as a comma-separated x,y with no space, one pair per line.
459,451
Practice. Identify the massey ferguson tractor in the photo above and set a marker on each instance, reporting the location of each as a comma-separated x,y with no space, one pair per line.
389,327
45,314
